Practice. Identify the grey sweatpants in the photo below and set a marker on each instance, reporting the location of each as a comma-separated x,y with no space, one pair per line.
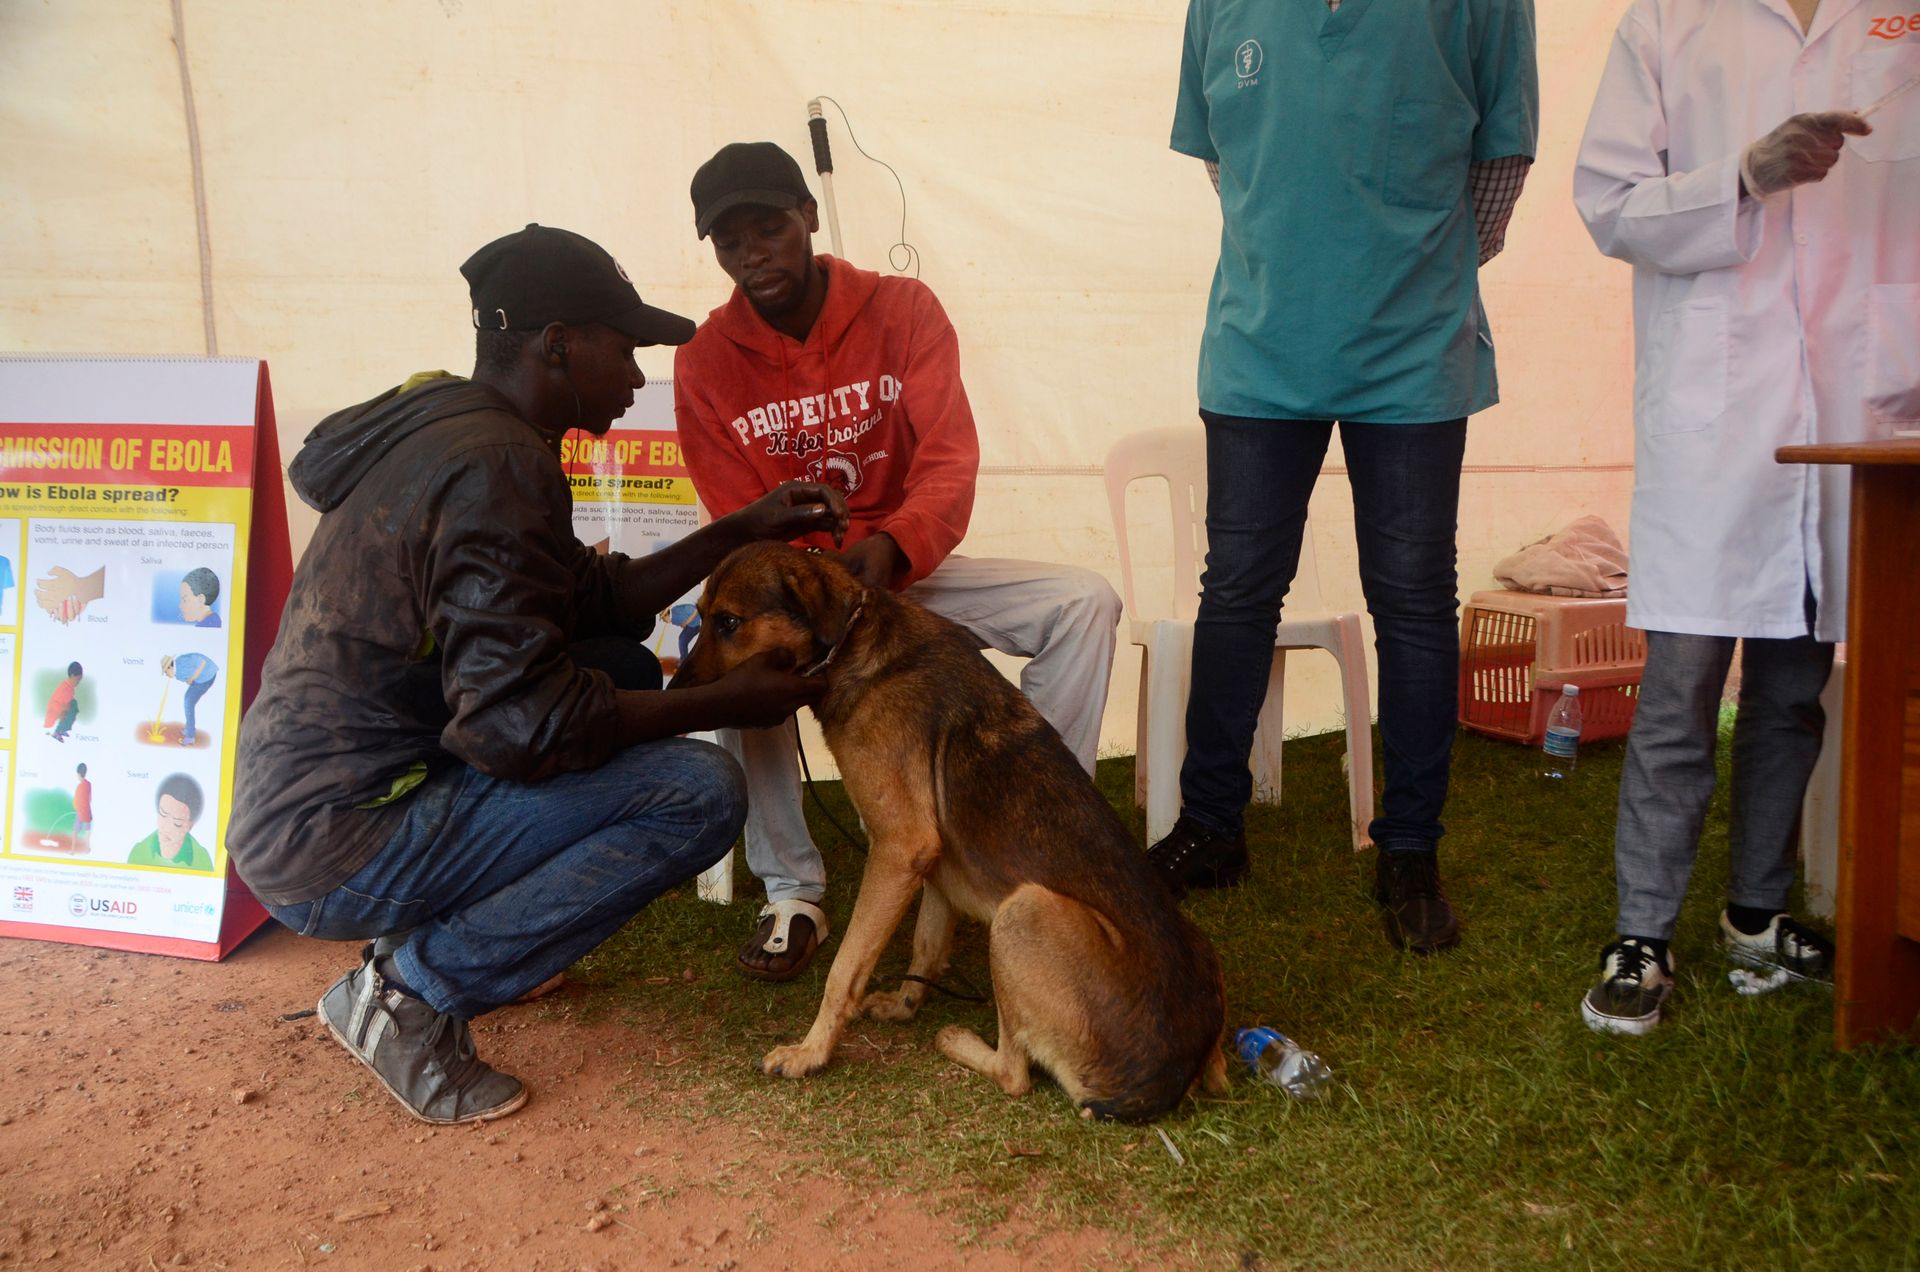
1668,777
1064,619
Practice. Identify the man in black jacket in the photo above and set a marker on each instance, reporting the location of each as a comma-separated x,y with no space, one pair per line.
430,752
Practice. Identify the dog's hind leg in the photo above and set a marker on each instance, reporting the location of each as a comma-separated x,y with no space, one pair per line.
1213,1078
932,942
1006,1067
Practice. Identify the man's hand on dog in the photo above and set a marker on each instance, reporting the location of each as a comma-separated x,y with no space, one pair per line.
794,509
765,689
874,560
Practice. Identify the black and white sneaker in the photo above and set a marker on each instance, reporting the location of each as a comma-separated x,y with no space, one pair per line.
1635,980
1787,947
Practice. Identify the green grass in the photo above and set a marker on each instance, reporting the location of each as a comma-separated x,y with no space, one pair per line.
1474,1121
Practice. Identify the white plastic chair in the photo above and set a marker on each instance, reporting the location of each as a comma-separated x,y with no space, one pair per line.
1178,455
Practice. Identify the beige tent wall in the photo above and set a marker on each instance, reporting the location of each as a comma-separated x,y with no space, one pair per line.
355,152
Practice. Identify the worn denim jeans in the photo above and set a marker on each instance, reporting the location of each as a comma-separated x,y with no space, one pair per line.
1406,498
501,884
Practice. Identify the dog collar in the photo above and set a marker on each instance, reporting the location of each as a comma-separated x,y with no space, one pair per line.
827,658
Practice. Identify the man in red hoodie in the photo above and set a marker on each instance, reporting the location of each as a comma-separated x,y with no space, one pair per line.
815,369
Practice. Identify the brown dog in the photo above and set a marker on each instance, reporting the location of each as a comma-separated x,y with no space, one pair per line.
967,792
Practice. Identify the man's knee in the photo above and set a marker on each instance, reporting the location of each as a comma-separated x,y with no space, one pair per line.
702,788
1085,600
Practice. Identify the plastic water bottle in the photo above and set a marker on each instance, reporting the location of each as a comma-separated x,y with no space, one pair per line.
1560,749
1278,1059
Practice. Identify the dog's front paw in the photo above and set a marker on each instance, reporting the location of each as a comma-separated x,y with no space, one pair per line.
893,1005
792,1062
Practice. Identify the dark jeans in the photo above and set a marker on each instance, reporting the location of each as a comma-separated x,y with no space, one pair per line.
501,884
1406,497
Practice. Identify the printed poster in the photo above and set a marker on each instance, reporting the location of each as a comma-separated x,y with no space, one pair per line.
126,503
632,494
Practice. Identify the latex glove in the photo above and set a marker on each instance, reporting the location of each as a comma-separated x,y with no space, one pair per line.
874,560
797,508
1799,151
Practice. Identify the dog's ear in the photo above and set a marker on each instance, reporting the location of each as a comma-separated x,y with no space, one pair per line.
824,600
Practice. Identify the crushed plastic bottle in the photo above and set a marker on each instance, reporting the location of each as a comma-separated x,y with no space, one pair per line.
1278,1059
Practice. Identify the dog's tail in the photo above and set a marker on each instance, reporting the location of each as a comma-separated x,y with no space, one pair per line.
1142,1104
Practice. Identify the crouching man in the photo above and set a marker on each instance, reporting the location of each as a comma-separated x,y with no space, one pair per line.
459,743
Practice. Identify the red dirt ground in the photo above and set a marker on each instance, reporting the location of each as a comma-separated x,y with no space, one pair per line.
157,1114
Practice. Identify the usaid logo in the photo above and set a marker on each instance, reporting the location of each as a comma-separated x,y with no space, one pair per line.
82,906
1248,58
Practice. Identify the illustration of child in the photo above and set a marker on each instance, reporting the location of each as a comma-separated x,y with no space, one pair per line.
198,591
62,708
177,804
82,810
196,671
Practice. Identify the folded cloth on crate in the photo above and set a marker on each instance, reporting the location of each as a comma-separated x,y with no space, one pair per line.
1584,559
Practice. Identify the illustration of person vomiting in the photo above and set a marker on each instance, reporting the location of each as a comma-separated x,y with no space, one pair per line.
196,671
177,806
62,707
198,591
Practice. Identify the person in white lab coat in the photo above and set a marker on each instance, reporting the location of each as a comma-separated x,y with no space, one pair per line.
1775,238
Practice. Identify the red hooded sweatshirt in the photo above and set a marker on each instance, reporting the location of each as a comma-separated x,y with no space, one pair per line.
870,402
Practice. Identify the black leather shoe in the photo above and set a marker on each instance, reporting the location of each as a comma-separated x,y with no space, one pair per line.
1192,856
1418,918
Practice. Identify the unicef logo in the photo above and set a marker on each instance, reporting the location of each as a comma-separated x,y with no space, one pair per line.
1248,58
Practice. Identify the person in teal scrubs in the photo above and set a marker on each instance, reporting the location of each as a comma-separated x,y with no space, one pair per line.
1367,155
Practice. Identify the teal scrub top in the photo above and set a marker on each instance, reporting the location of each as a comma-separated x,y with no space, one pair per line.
1348,283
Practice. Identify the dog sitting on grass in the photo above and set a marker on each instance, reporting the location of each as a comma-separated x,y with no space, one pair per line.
973,801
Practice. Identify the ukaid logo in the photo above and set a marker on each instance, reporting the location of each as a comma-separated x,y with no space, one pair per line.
23,898
82,906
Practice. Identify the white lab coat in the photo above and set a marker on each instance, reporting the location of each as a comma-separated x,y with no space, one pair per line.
1758,323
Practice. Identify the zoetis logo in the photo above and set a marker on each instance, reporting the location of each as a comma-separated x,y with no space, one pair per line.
1896,27
1248,58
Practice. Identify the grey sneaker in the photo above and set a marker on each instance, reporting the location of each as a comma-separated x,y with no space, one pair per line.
1635,980
1787,946
424,1058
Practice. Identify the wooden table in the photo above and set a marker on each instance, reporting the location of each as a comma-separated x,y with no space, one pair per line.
1877,911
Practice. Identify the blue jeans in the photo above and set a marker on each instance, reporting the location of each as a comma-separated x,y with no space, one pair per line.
502,884
1406,498
195,691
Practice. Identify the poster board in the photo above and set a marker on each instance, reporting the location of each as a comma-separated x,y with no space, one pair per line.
632,494
144,535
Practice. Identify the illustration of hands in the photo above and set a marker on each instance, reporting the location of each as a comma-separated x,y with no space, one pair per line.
65,595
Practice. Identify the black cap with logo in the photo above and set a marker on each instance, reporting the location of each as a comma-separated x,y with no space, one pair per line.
756,173
540,275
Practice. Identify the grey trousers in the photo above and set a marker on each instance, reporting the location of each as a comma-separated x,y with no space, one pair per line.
1668,777
1063,618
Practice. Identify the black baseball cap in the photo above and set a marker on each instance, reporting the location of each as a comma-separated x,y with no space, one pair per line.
756,173
541,274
